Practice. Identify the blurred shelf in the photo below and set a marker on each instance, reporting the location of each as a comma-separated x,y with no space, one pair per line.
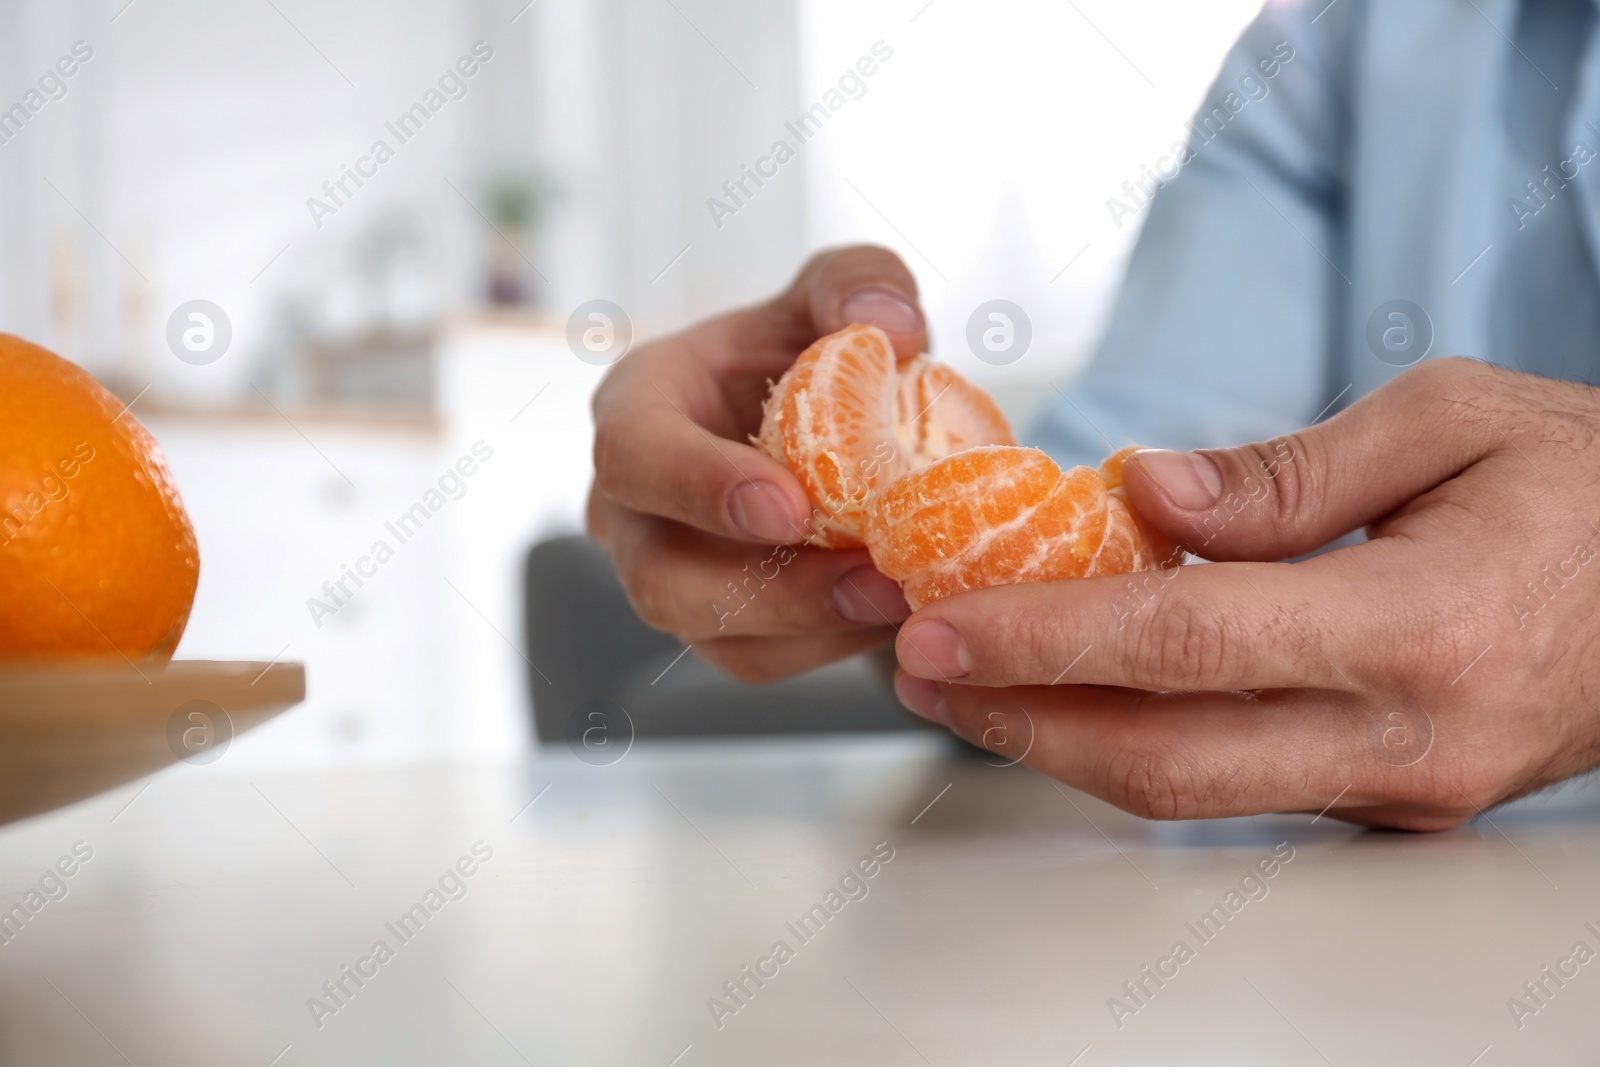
507,319
339,416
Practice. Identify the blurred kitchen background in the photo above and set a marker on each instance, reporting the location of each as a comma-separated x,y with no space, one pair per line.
375,338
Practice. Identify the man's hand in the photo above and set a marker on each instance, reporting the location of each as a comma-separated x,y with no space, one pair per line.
1447,664
699,523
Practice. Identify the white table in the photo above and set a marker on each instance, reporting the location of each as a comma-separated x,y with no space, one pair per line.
618,904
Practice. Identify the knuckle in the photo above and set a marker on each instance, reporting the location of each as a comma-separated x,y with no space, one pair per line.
1481,777
1164,782
1447,795
1432,821
820,258
649,606
754,672
1152,783
742,660
1185,644
967,714
798,602
1443,641
858,256
795,301
1022,644
821,262
1289,473
1452,390
861,264
1455,781
607,455
1448,371
1477,784
1454,393
1270,488
651,589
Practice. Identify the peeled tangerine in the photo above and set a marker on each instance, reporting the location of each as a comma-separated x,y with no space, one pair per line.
917,463
848,418
997,515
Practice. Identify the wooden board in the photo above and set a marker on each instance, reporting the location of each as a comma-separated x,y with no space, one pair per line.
67,733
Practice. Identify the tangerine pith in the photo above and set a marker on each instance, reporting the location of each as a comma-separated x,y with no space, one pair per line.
920,466
849,417
998,515
97,555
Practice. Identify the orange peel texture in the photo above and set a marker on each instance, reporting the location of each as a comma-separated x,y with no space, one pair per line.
97,555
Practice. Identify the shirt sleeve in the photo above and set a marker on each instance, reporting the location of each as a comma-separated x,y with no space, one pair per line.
1222,330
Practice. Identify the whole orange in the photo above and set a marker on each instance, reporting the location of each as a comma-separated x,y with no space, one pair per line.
97,556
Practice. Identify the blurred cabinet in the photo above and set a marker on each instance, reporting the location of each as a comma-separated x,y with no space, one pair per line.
279,527
513,385
413,649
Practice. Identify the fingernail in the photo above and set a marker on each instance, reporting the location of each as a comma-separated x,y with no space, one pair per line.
763,513
933,649
1190,479
866,595
922,697
882,307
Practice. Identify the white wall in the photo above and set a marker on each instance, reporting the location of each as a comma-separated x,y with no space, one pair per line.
985,151
643,111
191,143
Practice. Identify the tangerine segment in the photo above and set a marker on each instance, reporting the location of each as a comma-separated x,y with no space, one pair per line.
1111,466
848,418
999,515
940,413
1111,472
97,556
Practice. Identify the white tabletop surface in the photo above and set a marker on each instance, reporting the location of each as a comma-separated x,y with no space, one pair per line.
614,908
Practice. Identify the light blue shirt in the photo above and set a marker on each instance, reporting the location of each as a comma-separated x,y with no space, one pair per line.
1400,155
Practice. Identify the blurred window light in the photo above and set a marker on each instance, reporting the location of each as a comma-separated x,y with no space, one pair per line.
986,151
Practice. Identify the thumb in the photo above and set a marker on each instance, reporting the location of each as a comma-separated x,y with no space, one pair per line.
1294,494
860,284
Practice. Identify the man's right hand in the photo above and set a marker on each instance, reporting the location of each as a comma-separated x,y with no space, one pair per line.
698,522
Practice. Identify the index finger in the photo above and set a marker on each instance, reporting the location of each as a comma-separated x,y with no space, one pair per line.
1217,626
